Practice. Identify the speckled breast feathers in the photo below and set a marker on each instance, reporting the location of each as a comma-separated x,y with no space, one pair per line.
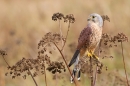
89,37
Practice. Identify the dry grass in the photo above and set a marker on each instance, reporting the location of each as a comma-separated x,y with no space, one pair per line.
23,23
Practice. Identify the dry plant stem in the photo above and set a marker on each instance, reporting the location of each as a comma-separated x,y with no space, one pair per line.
60,32
33,77
45,75
91,71
56,78
124,64
95,76
66,36
5,61
65,62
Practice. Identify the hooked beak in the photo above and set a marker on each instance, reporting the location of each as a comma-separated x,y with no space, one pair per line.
90,18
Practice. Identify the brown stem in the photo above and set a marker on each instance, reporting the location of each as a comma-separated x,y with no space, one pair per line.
66,36
33,77
65,62
56,78
91,71
45,75
124,64
5,61
60,32
95,76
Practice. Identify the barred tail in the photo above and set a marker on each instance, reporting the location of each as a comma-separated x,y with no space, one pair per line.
73,60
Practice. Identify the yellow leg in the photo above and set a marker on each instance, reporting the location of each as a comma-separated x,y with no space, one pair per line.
96,57
91,54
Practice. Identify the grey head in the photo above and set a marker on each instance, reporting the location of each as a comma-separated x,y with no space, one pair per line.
96,18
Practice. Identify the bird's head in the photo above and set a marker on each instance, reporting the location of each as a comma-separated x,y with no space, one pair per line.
96,18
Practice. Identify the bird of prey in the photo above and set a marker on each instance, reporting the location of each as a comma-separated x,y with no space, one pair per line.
88,40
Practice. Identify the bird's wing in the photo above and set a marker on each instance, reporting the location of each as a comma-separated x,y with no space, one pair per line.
84,37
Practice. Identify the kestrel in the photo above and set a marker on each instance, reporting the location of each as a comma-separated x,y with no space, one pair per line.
88,40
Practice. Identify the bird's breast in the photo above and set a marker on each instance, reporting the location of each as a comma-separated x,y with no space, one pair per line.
93,38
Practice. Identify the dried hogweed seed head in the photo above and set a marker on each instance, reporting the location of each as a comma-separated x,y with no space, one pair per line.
69,18
111,41
3,53
56,67
85,65
57,16
105,17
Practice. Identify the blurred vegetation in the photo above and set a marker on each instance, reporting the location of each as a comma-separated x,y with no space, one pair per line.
24,22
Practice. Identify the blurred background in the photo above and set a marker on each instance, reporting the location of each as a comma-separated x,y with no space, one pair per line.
24,22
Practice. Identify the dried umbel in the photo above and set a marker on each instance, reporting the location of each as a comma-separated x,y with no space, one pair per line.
3,53
24,66
105,17
69,18
41,63
56,67
109,40
59,16
87,67
50,38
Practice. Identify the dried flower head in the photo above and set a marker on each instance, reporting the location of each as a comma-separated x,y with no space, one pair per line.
56,67
87,67
57,16
105,17
48,41
109,40
50,38
3,53
69,18
25,65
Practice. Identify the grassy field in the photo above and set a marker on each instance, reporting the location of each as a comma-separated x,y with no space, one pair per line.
24,22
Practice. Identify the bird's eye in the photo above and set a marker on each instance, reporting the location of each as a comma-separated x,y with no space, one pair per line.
93,16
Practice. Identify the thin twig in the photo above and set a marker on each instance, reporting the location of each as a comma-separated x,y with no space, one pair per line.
5,61
124,64
56,78
91,71
45,75
60,32
65,62
95,76
33,77
66,36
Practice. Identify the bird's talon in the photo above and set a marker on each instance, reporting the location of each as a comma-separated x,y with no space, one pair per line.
96,57
89,54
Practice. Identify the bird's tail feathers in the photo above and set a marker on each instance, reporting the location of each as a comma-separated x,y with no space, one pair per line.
73,60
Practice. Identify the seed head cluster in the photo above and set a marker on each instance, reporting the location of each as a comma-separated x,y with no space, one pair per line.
3,53
22,67
109,40
50,38
59,16
56,67
42,62
48,41
87,67
105,17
